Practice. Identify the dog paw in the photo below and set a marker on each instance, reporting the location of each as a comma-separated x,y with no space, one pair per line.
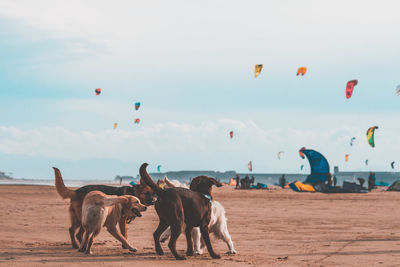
189,253
231,252
162,240
89,252
216,256
180,258
160,252
198,252
132,249
75,246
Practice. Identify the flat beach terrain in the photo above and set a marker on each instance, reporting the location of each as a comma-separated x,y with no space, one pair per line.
268,227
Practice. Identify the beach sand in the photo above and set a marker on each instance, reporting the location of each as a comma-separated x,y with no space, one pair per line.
268,227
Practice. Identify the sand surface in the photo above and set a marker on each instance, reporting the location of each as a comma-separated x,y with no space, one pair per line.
268,227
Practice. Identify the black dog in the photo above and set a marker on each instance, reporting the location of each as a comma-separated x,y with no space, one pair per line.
178,206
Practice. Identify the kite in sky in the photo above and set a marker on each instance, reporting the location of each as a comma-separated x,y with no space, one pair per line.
302,71
231,134
350,87
257,70
97,91
115,125
370,135
137,105
250,166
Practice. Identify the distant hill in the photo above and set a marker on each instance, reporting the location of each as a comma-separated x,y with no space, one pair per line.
3,176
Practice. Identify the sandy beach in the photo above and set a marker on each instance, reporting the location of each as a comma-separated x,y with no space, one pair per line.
268,227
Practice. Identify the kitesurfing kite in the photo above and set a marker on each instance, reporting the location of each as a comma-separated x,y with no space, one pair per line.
346,157
257,70
318,164
392,164
370,135
352,140
302,71
158,168
366,162
301,167
301,152
350,87
250,166
97,91
115,125
137,105
279,154
137,120
231,134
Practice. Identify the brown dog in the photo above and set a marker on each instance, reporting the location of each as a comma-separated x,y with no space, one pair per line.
177,206
99,209
141,191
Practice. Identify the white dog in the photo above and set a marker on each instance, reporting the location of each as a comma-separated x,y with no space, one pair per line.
217,225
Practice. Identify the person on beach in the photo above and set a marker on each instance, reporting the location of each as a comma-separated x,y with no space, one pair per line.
237,181
334,181
371,181
361,181
282,181
252,180
329,179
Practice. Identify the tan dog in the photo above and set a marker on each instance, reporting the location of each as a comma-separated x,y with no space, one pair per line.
99,209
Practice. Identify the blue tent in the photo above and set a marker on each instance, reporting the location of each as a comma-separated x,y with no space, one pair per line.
319,167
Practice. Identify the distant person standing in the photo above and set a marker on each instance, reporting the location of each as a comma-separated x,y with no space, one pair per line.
329,179
237,181
252,180
334,181
361,181
371,181
282,181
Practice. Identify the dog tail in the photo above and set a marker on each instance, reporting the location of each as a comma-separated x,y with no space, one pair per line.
62,190
112,200
168,182
147,179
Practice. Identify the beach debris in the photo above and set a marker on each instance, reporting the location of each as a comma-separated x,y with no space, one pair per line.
231,134
302,71
370,135
392,164
346,157
97,91
137,120
250,166
115,125
350,87
352,140
279,154
257,70
137,105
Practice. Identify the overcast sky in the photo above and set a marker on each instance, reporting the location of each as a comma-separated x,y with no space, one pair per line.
190,64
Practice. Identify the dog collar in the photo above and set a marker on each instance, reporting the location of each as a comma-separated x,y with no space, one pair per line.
208,197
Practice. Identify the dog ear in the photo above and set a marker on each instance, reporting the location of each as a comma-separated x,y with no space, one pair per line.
214,182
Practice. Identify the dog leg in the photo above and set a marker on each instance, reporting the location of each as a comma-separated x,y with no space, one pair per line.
91,239
123,228
188,232
79,235
75,223
114,232
162,225
175,232
206,237
84,242
165,235
225,236
196,241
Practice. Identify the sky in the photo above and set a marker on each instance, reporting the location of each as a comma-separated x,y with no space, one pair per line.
191,65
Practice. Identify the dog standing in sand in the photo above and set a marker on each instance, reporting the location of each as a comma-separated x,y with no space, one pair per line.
141,191
178,206
217,226
99,209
